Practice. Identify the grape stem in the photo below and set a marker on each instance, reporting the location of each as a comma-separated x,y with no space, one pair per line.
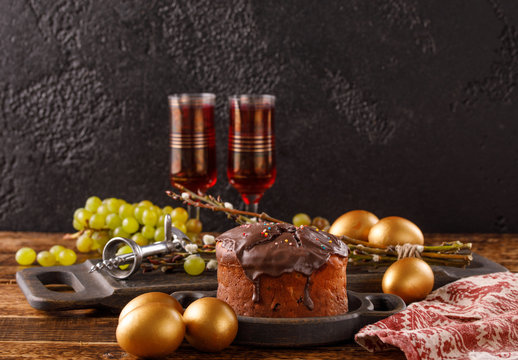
361,252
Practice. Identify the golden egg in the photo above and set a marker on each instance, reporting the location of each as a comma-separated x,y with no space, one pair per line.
355,224
395,230
210,324
409,278
151,330
149,298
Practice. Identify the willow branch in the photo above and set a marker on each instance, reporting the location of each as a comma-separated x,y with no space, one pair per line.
362,252
211,203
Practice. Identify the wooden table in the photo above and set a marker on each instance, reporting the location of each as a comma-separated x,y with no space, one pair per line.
90,334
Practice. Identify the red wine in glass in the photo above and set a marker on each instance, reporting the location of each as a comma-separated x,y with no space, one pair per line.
251,167
192,141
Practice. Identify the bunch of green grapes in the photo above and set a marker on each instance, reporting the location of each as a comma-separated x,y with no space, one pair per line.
56,255
100,220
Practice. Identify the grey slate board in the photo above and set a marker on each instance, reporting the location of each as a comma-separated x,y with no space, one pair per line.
97,290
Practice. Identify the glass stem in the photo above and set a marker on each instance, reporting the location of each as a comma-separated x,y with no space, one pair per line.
254,207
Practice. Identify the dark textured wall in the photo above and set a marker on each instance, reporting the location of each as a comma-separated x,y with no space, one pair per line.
401,107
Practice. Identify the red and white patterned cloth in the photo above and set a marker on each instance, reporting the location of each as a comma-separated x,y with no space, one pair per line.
472,318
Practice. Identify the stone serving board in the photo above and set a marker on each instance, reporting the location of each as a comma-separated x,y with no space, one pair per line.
100,290
364,309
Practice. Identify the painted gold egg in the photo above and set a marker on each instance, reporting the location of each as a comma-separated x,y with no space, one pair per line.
151,330
210,324
409,278
395,230
355,224
149,298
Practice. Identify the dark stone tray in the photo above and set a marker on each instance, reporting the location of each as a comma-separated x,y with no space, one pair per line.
364,309
101,290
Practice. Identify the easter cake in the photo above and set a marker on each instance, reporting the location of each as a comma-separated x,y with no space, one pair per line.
282,271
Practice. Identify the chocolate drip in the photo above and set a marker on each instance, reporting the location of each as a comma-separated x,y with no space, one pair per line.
274,249
307,299
256,296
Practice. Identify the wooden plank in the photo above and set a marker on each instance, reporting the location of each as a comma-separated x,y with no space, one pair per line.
14,304
12,241
52,350
107,350
58,328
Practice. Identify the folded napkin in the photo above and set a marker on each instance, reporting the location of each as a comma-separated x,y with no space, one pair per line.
472,318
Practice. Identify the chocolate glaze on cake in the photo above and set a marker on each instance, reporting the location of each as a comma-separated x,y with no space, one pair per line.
274,249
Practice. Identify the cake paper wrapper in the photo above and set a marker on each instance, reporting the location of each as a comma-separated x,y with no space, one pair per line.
472,318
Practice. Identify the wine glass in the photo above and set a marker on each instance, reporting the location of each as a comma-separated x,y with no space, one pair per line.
192,140
251,167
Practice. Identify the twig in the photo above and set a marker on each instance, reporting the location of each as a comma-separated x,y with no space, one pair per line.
211,203
362,252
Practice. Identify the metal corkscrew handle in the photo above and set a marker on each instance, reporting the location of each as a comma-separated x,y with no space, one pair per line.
175,240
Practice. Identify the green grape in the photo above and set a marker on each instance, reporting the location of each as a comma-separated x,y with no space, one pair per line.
179,215
103,210
140,239
56,249
126,210
180,226
125,249
25,256
159,234
82,216
194,265
113,221
301,219
97,221
158,213
45,258
148,231
145,203
149,217
67,257
119,232
112,204
160,221
77,212
77,225
84,243
139,210
194,226
130,225
167,210
100,238
93,203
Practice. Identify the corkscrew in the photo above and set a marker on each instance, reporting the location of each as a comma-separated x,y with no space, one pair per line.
175,240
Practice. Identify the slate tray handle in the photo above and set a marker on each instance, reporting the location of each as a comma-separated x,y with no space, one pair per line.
185,298
378,306
88,289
